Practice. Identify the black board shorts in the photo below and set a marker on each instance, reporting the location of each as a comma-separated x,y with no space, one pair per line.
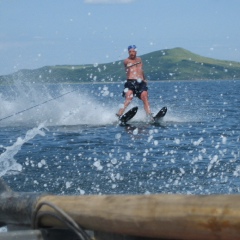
136,87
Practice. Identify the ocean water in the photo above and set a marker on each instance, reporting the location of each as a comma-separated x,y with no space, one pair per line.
65,139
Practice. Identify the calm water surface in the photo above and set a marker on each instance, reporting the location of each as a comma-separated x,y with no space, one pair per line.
73,144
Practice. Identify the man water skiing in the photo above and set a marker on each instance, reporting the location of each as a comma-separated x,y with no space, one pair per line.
136,84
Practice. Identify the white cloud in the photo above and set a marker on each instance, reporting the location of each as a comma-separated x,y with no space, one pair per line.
108,1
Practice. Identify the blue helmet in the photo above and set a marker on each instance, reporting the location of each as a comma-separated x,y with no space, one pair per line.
132,47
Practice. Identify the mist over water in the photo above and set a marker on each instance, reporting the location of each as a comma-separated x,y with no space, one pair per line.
66,139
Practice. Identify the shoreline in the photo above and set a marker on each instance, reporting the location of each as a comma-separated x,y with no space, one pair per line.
121,82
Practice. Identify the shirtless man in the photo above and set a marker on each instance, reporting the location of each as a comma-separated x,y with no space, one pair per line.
136,84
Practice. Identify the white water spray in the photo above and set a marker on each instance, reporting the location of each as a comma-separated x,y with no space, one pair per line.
7,161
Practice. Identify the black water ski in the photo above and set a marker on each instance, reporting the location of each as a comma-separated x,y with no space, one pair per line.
160,114
128,115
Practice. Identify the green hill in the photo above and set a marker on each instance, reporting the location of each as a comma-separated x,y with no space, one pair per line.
181,64
167,64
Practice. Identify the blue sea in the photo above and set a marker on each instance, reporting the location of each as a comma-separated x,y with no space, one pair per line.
65,139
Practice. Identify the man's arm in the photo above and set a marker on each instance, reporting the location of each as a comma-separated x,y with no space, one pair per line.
144,79
133,64
143,74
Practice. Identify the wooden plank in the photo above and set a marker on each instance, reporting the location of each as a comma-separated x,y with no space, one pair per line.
158,216
22,235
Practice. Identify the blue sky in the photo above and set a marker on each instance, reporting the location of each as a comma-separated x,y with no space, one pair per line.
36,33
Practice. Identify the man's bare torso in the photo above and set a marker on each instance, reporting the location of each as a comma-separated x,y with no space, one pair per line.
133,68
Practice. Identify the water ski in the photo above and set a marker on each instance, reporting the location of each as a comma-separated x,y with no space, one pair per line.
128,115
160,114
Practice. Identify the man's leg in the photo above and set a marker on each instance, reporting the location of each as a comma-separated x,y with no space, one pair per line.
144,98
128,99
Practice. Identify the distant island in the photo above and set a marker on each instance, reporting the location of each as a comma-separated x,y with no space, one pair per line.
166,64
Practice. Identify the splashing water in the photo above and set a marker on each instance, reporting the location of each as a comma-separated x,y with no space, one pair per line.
54,106
195,150
7,161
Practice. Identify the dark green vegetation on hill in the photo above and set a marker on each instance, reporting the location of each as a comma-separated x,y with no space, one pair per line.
167,64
